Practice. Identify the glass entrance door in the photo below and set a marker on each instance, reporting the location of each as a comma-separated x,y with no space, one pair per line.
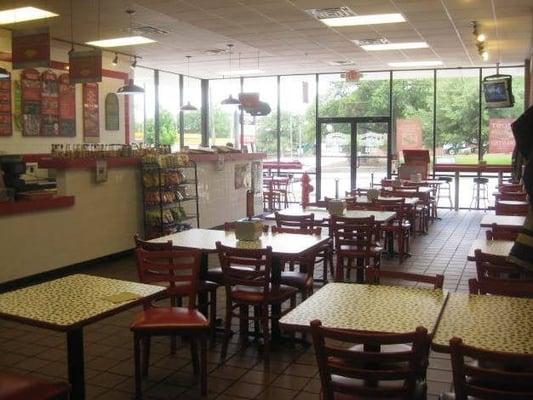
351,153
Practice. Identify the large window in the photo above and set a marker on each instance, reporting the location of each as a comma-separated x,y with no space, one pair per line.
261,132
224,124
457,137
169,100
192,92
412,111
144,107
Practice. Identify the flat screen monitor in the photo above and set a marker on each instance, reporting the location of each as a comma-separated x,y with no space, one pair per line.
498,91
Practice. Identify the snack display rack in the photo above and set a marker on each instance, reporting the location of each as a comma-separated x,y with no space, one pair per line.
170,194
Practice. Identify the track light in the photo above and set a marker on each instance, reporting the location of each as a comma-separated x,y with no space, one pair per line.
115,60
481,37
484,55
134,63
480,41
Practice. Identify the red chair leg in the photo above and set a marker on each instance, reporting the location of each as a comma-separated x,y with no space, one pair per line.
146,341
266,333
137,364
203,365
194,355
227,332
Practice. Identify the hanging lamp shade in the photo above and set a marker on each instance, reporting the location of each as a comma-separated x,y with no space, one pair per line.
130,88
4,73
188,107
230,101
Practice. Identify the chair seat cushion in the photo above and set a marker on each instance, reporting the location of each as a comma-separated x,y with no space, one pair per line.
25,387
251,294
169,318
296,279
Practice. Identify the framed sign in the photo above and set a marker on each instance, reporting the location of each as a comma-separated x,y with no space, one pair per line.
49,104
85,66
31,48
111,112
91,128
67,107
5,107
31,102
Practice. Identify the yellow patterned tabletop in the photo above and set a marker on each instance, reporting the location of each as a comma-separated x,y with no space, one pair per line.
72,301
378,308
492,322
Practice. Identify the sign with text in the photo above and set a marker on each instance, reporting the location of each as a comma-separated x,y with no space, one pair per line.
30,48
408,134
91,113
352,75
85,66
501,139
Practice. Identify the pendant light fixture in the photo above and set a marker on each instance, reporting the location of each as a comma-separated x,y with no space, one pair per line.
131,87
230,101
188,106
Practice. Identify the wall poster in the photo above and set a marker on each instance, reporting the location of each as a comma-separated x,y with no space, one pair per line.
111,112
91,131
31,102
85,66
242,176
67,106
5,107
30,48
49,104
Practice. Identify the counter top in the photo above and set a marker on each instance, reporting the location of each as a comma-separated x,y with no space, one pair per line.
26,206
473,167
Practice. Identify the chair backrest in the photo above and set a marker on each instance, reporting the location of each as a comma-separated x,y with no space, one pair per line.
502,287
301,231
177,268
339,365
230,226
373,275
386,202
295,221
145,276
246,267
511,209
356,192
358,232
511,188
516,196
509,376
495,267
498,232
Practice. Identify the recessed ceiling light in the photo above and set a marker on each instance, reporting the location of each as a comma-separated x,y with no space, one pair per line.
23,14
242,72
122,41
415,64
394,46
370,19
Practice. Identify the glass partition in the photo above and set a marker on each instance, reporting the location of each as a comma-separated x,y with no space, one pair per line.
169,105
224,123
192,119
144,107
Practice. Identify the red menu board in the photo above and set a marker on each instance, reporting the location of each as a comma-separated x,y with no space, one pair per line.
31,48
501,139
408,134
5,107
31,102
49,104
91,118
85,66
67,106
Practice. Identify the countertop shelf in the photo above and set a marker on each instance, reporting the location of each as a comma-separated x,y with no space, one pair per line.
27,206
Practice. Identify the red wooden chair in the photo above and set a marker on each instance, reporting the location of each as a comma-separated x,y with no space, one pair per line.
14,386
400,226
496,267
502,287
374,276
207,289
497,232
511,188
366,372
180,269
355,240
483,374
325,254
515,196
250,288
511,209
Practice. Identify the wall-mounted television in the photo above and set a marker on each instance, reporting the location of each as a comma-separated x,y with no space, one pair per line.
498,90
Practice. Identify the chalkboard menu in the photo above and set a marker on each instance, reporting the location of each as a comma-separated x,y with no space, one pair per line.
5,107
49,104
67,106
31,102
111,112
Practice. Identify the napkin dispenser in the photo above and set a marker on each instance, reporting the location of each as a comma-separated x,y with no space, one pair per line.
248,229
336,207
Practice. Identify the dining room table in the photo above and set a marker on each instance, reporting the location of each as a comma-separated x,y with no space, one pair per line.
322,214
500,248
408,201
70,303
497,323
283,245
375,308
505,221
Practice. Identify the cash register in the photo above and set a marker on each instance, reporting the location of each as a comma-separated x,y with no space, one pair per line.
14,170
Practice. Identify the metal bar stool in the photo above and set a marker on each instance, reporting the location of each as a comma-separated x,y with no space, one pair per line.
444,190
480,191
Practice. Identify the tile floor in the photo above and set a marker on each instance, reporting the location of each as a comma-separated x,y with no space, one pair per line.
292,374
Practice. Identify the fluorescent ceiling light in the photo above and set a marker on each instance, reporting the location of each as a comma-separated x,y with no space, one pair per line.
395,46
122,41
242,72
23,14
415,64
371,19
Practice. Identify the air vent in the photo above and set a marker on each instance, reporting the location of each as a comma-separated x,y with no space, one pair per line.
341,63
149,30
368,42
215,52
333,12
